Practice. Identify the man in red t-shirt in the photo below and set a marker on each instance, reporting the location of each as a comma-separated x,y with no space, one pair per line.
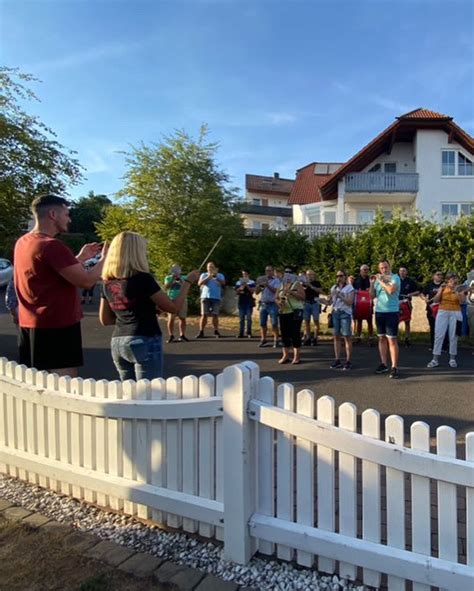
47,275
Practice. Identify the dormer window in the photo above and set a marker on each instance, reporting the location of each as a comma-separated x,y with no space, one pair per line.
464,165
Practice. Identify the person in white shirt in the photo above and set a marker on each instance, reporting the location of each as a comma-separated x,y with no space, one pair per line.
342,298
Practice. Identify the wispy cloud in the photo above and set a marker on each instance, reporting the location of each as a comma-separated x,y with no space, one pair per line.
100,157
85,56
376,99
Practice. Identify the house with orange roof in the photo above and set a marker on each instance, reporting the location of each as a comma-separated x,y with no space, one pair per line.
265,206
423,162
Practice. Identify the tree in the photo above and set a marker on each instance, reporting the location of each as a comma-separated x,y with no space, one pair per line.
86,213
176,195
31,160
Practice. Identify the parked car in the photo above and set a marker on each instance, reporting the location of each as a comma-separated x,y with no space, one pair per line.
6,272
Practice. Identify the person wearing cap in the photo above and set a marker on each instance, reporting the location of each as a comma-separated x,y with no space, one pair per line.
173,284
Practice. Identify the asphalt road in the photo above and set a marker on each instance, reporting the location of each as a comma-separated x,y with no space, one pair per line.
441,396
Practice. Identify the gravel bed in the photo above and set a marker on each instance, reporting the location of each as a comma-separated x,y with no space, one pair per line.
177,547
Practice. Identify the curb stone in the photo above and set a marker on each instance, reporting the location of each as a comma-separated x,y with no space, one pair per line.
109,552
57,528
4,504
36,520
212,583
15,513
141,565
183,578
80,541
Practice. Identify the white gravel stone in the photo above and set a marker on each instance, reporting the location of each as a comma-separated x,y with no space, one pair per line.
264,574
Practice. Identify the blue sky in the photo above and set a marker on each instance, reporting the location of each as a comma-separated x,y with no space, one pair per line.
280,83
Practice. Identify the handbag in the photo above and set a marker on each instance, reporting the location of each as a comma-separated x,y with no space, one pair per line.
330,322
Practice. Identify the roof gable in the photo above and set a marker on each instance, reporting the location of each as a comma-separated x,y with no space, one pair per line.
307,183
268,184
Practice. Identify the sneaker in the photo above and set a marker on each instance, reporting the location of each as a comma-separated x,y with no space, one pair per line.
183,338
200,335
382,368
249,336
217,334
263,344
239,336
170,339
336,364
394,373
307,342
347,366
453,363
433,363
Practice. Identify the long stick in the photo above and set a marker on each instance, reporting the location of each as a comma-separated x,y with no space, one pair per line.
209,253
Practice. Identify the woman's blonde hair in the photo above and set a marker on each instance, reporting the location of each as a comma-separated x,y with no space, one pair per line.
126,256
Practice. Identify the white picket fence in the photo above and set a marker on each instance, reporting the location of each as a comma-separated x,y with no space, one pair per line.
259,467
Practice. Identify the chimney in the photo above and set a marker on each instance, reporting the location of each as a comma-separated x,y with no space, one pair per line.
276,175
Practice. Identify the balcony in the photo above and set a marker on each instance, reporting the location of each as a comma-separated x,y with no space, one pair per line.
317,230
375,182
250,208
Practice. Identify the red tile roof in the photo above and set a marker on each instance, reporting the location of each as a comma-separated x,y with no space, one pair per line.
422,113
268,184
306,187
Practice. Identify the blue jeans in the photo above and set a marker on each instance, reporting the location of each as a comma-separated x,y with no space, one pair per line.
266,310
137,357
341,323
245,314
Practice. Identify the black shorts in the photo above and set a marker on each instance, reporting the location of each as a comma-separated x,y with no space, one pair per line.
51,348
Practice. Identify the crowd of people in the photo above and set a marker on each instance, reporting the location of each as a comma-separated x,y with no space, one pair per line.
44,302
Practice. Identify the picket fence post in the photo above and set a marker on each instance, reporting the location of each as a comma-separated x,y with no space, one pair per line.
239,461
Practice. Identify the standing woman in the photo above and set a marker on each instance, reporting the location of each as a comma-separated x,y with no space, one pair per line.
130,296
449,314
290,300
342,298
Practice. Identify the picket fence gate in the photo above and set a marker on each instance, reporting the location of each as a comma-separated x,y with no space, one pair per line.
261,468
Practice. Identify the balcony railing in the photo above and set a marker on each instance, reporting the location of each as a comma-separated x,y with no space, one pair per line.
317,230
375,182
268,210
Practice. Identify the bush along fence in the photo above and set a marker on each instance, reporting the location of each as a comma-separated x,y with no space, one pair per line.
262,468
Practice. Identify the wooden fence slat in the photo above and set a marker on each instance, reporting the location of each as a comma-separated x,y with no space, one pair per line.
285,468
9,372
128,443
206,452
266,462
52,382
20,417
31,427
420,499
89,438
470,504
114,442
157,437
173,448
142,444
189,446
77,450
325,408
41,380
447,500
395,492
305,474
101,441
219,457
371,493
64,418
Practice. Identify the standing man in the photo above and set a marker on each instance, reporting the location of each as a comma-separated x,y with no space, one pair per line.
362,283
173,283
244,289
408,289
47,275
312,289
211,284
267,286
385,286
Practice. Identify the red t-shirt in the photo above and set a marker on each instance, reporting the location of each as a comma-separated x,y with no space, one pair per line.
45,298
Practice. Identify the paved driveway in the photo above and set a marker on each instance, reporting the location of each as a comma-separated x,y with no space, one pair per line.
440,396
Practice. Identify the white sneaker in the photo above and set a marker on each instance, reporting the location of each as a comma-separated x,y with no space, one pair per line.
453,363
433,363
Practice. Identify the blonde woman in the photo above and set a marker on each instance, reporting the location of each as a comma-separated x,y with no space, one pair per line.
449,314
130,296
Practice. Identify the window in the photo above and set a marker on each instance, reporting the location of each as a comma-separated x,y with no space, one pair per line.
329,217
387,214
448,163
390,167
452,211
464,165
365,216
454,163
257,225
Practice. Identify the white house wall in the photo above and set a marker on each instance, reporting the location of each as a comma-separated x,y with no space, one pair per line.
403,153
434,189
273,200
